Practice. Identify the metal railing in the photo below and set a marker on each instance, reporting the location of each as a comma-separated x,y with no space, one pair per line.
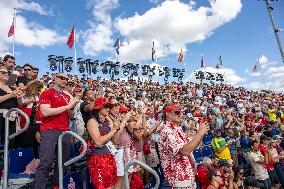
69,162
146,167
7,137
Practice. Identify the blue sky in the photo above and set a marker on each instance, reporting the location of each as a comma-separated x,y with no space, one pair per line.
240,31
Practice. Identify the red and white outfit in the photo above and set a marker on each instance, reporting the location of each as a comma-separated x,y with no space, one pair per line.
177,169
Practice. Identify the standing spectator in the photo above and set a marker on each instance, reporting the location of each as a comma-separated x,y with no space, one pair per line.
9,63
215,179
176,149
22,81
221,147
238,178
265,149
35,73
258,162
101,129
8,100
54,107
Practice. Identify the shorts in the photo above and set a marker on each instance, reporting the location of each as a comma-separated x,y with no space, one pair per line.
273,177
122,157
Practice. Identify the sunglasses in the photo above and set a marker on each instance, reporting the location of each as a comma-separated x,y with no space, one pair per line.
62,78
177,112
70,84
107,106
114,105
27,70
4,72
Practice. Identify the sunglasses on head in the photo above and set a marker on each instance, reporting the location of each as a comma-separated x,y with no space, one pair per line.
62,78
113,105
4,72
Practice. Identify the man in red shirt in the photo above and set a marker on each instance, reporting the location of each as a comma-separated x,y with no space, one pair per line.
54,106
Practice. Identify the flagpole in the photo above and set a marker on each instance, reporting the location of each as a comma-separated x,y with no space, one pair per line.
75,53
14,32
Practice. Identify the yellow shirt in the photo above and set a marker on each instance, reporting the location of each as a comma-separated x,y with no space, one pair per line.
219,143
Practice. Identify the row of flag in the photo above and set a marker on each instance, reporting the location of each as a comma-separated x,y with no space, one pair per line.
71,42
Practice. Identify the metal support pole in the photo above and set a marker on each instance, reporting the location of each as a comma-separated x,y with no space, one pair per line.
146,167
276,30
7,137
67,163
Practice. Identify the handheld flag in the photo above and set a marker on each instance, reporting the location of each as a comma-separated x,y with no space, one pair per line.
71,39
180,57
153,52
202,62
117,45
12,28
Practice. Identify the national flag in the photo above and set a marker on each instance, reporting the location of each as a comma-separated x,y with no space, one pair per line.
12,28
71,39
153,52
202,62
180,57
254,69
220,61
117,45
217,66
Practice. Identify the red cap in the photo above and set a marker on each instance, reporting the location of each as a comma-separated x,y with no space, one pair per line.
123,109
100,103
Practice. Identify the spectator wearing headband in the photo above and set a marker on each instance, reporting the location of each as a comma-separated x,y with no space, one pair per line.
176,149
54,106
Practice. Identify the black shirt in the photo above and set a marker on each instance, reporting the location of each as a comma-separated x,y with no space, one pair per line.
9,103
85,115
23,79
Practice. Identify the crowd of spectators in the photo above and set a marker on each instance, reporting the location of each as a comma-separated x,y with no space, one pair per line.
198,135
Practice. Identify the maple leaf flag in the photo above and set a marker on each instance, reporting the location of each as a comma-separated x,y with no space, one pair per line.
12,28
117,45
180,57
71,39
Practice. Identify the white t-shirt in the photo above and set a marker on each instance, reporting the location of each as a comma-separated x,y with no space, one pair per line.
259,169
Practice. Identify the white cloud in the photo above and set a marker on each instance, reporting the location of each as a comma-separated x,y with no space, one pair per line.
230,76
277,85
99,36
28,33
263,61
275,72
172,25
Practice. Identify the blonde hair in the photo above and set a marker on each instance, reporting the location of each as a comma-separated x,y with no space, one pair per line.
34,88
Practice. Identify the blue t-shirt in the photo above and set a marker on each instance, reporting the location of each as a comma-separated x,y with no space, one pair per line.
244,144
